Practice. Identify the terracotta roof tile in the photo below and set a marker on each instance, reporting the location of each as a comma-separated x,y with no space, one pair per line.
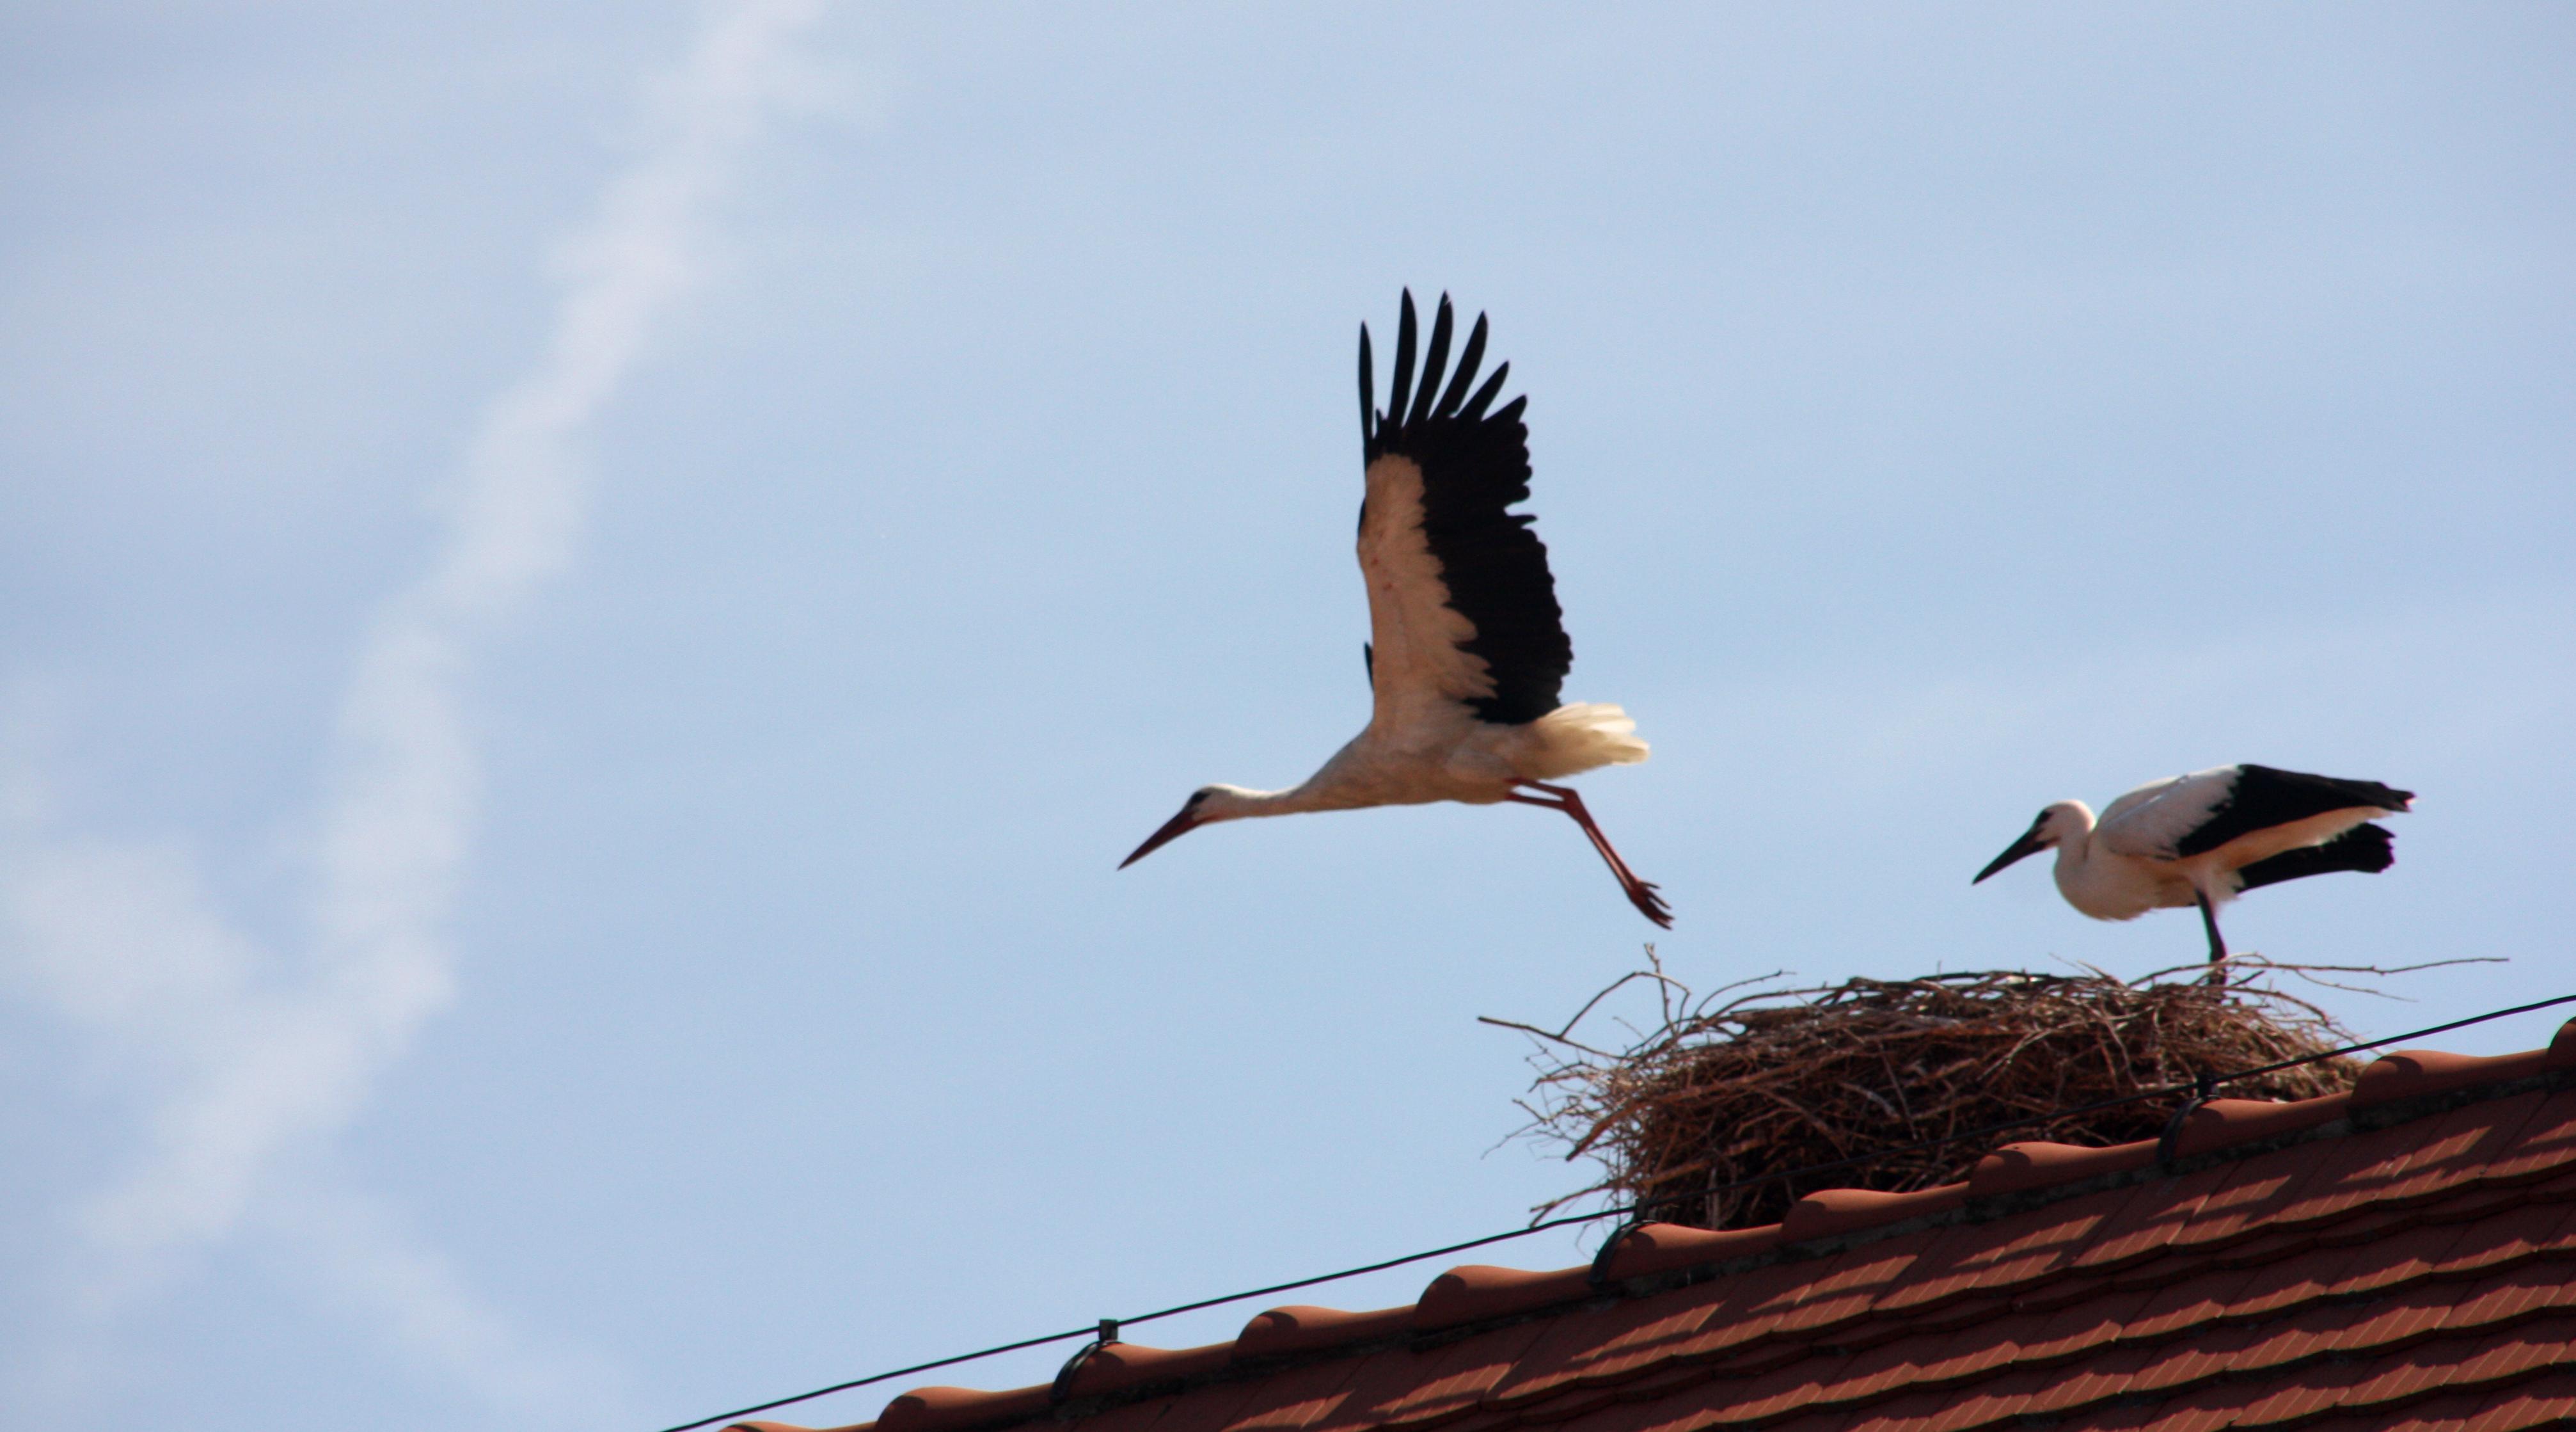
2406,1258
1287,1401
1476,1293
1134,1417
1280,1332
2547,1400
2258,1195
1849,1285
1747,1306
1837,1211
1665,1248
2307,1392
1124,1365
2148,1219
1419,1389
2400,1256
1597,1347
2222,1122
2186,1306
2416,1073
2016,1167
2205,1409
2008,1253
2501,1358
2451,1148
2543,1144
2527,1230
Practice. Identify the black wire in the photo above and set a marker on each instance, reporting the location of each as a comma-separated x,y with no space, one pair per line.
880,1377
2392,1039
1625,1210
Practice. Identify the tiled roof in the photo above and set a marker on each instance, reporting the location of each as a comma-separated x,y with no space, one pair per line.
2402,1255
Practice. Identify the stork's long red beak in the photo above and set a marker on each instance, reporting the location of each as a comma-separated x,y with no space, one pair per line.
1173,829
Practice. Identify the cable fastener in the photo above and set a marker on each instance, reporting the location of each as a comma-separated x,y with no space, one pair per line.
1062,1388
2204,1087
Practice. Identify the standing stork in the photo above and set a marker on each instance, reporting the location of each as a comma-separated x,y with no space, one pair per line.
1468,648
2205,838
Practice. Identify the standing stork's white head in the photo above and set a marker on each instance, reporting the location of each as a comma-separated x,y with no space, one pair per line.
1206,806
2062,822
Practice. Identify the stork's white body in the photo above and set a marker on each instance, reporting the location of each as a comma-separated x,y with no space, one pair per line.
1467,648
2205,838
1451,757
2125,864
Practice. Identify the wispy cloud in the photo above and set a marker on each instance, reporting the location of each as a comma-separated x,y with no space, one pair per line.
253,1057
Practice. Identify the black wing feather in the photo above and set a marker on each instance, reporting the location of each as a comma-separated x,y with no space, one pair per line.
2368,849
1467,363
1403,367
2264,797
1474,467
1435,364
1368,393
1484,398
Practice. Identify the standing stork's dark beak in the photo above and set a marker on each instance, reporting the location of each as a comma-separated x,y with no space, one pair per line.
1173,829
2029,845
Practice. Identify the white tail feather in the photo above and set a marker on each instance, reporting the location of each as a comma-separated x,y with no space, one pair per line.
1584,736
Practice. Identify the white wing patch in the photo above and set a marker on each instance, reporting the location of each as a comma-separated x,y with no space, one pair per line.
1419,637
2153,821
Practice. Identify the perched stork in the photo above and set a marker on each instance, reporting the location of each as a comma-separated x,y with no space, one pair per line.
1468,647
2205,838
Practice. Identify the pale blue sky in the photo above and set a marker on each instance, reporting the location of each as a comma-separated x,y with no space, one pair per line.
589,595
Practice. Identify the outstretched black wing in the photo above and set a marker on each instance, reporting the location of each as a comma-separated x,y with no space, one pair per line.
2261,798
1461,605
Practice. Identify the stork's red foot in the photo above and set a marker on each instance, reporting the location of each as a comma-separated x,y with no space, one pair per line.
1651,905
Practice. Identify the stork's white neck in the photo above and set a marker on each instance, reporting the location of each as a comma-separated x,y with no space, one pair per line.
1331,788
2077,874
1241,803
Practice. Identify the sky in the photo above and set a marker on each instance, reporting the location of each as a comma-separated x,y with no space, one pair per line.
590,595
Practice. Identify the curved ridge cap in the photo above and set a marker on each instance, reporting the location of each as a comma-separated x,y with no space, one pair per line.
2412,1073
1302,1327
1121,1365
1652,1248
943,1409
1830,1212
2221,1123
1474,1291
2015,1168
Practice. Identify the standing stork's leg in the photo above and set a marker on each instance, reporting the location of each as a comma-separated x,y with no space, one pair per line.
2217,942
1641,893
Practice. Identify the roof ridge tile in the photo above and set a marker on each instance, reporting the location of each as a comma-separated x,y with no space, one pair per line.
2416,1073
1837,1212
1300,1328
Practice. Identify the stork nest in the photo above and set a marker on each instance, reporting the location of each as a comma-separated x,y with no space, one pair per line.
1693,1118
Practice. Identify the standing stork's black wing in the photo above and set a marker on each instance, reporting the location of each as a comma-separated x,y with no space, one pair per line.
1461,603
2262,797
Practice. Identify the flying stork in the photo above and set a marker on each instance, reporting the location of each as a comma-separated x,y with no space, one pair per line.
2207,837
1468,648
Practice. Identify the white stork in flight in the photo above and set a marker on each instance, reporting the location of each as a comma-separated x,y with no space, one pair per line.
2205,838
1468,647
